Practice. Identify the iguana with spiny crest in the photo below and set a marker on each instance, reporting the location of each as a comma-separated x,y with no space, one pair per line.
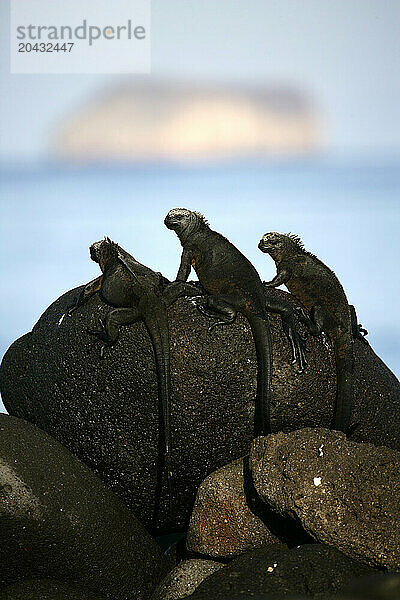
137,293
233,285
320,291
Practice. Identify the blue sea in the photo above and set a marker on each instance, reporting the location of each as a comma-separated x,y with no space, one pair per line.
348,213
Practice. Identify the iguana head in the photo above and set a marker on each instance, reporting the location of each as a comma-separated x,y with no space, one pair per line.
103,251
279,245
183,220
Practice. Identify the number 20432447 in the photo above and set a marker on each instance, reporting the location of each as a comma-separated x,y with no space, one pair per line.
45,47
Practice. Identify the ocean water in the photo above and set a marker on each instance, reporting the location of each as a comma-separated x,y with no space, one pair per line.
347,213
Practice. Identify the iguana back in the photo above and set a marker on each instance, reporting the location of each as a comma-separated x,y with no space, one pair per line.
223,269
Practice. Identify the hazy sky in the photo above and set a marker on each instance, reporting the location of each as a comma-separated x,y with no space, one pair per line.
345,55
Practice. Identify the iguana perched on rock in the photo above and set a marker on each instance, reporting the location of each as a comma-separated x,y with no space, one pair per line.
320,291
233,285
137,294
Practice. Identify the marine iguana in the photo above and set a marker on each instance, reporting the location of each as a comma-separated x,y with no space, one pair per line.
137,294
320,291
233,285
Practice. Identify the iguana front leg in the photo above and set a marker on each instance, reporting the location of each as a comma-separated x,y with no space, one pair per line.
181,289
185,267
280,278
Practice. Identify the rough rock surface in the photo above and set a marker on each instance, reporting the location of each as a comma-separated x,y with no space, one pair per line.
380,586
46,589
106,411
185,578
344,493
278,572
228,518
58,520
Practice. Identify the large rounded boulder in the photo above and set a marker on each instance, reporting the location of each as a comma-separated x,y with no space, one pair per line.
46,589
58,521
274,573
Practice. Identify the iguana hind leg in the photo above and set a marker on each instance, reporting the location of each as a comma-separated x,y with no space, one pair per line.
115,319
320,320
288,315
218,306
109,328
88,291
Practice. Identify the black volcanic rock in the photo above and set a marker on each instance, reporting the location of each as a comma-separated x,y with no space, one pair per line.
46,589
379,586
185,578
222,525
274,572
345,494
106,411
59,521
228,518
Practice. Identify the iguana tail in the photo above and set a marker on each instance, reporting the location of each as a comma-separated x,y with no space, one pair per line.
262,339
344,359
157,326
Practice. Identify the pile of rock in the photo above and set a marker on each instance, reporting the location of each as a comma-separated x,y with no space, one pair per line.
301,513
317,510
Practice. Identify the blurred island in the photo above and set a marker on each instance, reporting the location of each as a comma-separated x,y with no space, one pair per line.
144,120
